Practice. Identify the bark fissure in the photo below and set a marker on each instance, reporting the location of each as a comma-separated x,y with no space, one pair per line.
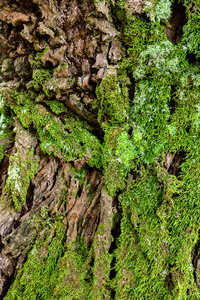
99,124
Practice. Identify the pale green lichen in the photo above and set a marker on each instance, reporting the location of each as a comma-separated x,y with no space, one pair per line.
159,11
159,211
20,172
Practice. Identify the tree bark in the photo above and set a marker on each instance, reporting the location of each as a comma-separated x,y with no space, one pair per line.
96,203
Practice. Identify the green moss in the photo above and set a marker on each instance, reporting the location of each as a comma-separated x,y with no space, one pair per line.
191,35
40,77
5,127
34,279
160,211
137,34
22,169
113,113
72,140
57,107
155,243
186,117
74,280
158,11
53,270
112,100
7,68
156,66
115,170
36,61
160,217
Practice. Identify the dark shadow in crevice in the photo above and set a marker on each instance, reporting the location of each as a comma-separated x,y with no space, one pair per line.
8,29
131,86
134,174
195,261
191,57
173,162
177,20
59,2
1,244
187,129
28,6
79,192
9,280
169,279
116,232
172,102
16,224
29,196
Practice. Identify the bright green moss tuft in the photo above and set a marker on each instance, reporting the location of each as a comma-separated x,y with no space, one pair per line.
113,113
20,173
5,126
72,140
57,107
112,100
23,165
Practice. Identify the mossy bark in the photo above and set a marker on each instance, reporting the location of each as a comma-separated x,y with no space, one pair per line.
99,149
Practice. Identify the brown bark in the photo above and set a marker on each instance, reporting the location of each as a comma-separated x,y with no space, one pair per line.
69,46
79,34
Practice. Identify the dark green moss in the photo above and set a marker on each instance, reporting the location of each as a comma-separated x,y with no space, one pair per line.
112,100
5,126
53,270
160,211
155,243
53,134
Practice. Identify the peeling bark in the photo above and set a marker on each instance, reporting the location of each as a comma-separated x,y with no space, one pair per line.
74,154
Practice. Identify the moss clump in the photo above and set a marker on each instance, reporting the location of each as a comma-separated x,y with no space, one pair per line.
191,35
160,211
160,216
57,107
53,270
20,173
71,140
158,11
186,117
157,238
114,165
5,126
7,67
113,113
34,279
74,276
23,165
40,77
112,100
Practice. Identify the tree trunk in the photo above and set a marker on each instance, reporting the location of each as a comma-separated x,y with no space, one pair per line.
99,139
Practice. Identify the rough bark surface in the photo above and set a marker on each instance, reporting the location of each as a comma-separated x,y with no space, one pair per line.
80,35
81,180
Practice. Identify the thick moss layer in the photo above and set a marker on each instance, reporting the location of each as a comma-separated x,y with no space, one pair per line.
159,208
